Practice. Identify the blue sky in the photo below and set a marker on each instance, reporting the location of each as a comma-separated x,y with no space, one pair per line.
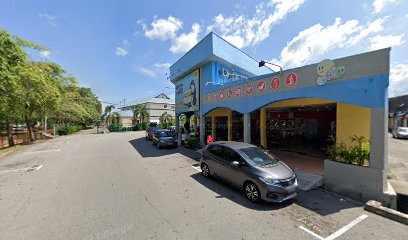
122,49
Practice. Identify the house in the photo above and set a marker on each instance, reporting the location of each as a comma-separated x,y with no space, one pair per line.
155,106
398,112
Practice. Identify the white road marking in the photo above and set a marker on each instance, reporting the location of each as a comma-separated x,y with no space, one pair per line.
347,227
44,151
339,232
311,233
22,169
197,168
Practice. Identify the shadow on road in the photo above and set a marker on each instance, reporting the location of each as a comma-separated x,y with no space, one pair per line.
147,149
226,191
316,200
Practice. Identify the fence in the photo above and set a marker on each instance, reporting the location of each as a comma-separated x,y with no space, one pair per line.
21,136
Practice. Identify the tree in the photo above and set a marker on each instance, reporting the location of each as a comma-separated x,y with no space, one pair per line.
111,117
12,60
166,117
40,92
140,114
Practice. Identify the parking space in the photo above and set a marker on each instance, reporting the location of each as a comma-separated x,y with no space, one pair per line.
100,184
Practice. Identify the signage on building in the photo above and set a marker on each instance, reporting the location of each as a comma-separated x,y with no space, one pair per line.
328,71
258,87
231,74
187,93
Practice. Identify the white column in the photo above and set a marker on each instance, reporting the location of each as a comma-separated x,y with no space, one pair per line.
202,130
247,128
379,143
178,130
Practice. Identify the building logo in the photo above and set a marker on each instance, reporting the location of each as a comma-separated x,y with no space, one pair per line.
248,89
214,96
209,97
275,83
327,71
231,75
238,91
291,79
260,87
221,95
229,93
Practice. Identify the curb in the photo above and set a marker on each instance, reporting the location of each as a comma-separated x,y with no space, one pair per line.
377,208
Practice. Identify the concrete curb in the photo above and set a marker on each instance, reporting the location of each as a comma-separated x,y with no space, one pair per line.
377,208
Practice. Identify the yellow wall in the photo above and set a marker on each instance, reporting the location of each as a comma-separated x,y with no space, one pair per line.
221,112
352,120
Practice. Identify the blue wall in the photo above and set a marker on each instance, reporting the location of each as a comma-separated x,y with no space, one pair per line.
370,92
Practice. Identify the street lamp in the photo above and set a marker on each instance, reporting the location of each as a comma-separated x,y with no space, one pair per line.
263,63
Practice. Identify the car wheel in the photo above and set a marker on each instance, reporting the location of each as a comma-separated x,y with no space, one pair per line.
205,170
252,192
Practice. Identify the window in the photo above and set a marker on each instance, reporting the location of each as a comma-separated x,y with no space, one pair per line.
165,106
216,151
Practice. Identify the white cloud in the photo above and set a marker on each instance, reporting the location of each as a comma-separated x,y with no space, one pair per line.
162,29
124,49
156,71
50,18
380,4
318,40
380,41
185,42
121,52
242,31
398,80
45,54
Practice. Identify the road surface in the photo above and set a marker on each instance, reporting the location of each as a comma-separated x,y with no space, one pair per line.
118,186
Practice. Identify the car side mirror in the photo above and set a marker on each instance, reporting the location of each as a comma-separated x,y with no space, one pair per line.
235,163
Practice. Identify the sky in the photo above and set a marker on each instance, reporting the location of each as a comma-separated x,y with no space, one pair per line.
122,49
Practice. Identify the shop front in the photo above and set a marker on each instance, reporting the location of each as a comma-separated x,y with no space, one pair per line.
297,111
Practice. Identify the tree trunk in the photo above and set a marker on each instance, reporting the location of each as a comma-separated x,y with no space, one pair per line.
30,131
9,135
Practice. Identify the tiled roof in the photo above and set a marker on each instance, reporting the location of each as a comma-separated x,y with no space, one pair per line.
161,98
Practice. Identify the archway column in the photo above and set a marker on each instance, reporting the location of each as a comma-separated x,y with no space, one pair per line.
230,125
178,130
247,128
263,127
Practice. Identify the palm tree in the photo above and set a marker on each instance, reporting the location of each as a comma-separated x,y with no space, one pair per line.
166,117
140,113
108,114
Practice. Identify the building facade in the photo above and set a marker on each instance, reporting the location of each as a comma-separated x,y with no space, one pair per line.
156,106
298,110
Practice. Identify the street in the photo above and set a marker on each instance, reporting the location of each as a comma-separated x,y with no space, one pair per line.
398,164
119,186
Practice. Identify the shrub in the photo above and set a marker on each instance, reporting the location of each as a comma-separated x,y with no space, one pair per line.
68,129
356,154
192,142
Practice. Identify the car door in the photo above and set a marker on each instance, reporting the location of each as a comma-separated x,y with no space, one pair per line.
216,154
236,175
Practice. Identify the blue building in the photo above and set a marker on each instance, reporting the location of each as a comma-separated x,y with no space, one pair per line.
297,110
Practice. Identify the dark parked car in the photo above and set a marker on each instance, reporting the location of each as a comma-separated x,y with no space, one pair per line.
258,173
150,131
164,138
400,132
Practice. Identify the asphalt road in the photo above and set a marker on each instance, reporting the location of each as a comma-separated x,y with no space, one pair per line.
398,164
118,186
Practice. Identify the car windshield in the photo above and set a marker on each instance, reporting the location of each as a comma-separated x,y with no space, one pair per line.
259,157
165,134
152,129
403,129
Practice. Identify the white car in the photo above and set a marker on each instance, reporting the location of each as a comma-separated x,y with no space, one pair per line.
400,132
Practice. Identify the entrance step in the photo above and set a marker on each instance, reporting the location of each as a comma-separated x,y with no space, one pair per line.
308,181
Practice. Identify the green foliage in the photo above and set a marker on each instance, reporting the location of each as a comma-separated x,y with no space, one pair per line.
192,142
140,114
68,129
356,154
120,128
167,125
31,91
